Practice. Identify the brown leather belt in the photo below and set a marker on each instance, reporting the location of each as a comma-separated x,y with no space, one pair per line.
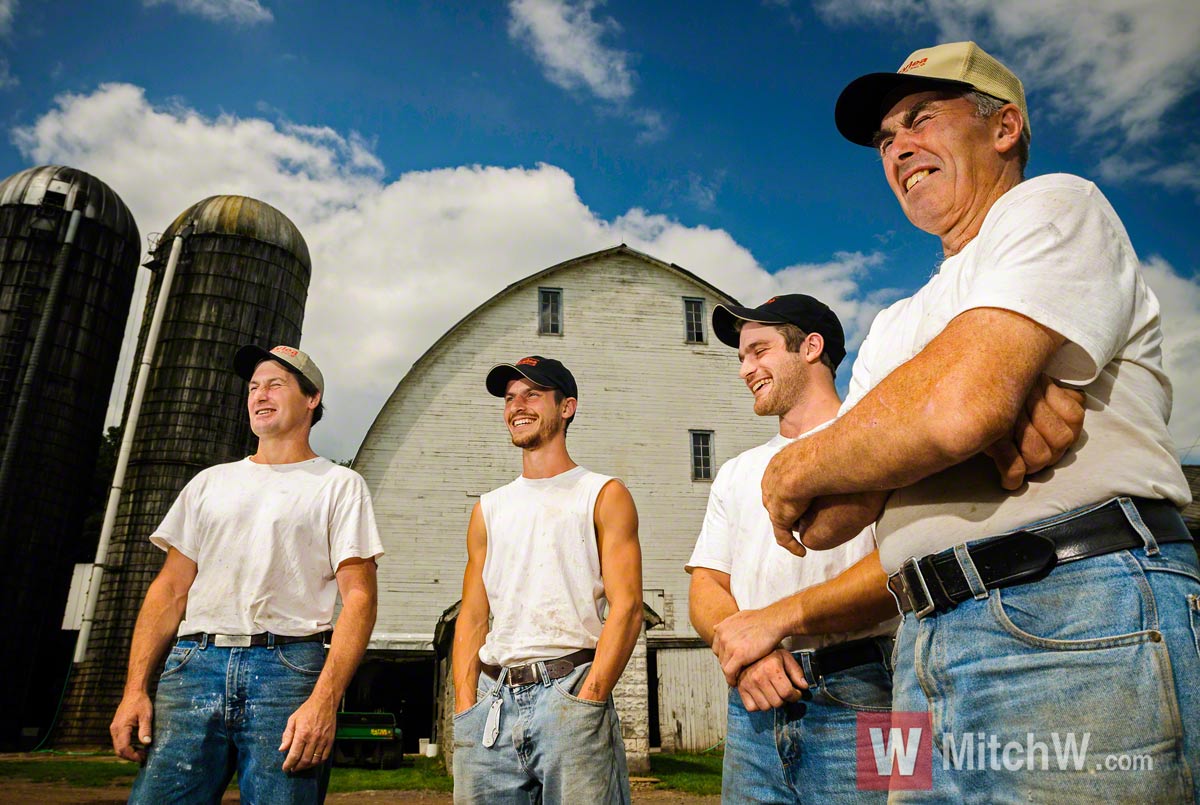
937,583
555,669
253,640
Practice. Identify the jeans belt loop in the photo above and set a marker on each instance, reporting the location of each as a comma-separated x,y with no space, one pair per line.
270,641
910,571
1129,509
970,572
542,674
204,641
806,663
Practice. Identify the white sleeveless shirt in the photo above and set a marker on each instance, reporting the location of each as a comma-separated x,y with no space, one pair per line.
542,568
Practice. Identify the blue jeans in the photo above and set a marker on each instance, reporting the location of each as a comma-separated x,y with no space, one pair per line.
804,752
551,746
1105,649
220,710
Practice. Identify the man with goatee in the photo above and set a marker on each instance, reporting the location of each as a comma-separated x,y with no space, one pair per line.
534,717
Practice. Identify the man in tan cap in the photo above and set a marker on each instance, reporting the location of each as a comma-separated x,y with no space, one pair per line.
258,551
1048,636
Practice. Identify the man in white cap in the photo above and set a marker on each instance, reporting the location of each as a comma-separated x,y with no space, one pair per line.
1064,611
258,551
534,717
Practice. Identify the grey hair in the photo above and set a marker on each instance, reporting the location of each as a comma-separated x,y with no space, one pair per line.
988,105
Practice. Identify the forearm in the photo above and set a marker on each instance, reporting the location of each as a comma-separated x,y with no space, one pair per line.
709,602
157,624
831,521
349,643
469,637
856,599
617,640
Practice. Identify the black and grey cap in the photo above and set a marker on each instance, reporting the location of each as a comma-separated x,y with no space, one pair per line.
250,356
545,372
809,314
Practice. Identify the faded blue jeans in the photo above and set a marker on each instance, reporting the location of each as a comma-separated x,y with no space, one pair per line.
551,747
804,752
221,710
1106,649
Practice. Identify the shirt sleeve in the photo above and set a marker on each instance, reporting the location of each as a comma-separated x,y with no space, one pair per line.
1060,257
353,533
178,529
714,545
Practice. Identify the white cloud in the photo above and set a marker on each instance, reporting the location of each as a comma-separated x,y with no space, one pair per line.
8,10
1108,67
395,264
565,36
242,12
1180,300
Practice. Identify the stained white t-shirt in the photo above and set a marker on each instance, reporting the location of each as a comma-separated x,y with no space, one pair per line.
737,539
1054,250
541,570
267,540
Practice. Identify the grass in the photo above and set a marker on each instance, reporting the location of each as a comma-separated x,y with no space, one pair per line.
693,774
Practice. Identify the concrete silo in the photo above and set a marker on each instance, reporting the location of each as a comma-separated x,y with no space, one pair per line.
68,259
242,278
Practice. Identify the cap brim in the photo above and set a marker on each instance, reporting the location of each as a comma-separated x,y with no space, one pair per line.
500,375
725,318
859,108
249,357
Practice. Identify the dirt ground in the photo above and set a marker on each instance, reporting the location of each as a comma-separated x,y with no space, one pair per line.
17,791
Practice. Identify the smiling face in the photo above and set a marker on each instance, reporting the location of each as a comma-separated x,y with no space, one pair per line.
776,377
275,402
533,414
947,165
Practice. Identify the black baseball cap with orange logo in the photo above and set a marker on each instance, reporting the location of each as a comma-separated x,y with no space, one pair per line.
545,372
809,314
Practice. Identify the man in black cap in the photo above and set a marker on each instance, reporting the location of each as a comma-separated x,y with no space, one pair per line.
258,551
534,712
1065,611
781,624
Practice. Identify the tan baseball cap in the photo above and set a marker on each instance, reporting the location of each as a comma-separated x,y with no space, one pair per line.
962,65
249,357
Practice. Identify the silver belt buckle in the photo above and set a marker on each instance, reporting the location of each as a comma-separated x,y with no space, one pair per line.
231,641
910,566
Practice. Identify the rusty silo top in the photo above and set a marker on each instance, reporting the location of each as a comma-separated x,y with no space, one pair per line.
68,188
240,216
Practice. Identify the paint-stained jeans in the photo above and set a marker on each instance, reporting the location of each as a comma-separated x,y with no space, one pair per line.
1105,649
221,710
804,752
551,747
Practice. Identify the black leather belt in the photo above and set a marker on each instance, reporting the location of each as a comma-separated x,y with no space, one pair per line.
249,640
555,669
936,583
851,654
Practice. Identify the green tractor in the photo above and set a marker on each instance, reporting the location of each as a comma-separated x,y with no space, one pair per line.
370,740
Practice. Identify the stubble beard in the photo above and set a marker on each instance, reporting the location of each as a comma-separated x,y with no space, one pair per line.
784,394
539,437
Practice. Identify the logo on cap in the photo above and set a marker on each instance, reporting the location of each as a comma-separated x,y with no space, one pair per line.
912,65
527,362
286,350
769,301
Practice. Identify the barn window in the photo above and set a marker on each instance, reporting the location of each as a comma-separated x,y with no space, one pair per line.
693,320
550,311
702,462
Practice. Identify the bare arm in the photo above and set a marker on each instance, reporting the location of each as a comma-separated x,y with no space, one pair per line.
855,599
471,627
308,737
955,398
157,624
710,601
621,568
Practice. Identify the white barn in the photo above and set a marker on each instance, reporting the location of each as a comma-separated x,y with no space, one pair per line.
660,406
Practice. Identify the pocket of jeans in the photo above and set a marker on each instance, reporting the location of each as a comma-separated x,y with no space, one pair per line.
576,679
177,658
303,658
482,691
1091,604
867,688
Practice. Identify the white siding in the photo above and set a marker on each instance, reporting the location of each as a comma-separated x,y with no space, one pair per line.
440,441
693,700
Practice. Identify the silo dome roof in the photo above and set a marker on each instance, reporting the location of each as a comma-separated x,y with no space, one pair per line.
241,216
69,188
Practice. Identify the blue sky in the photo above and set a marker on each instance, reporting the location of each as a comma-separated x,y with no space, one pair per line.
431,153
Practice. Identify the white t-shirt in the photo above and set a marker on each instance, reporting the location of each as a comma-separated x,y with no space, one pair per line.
1054,250
267,540
737,539
542,567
